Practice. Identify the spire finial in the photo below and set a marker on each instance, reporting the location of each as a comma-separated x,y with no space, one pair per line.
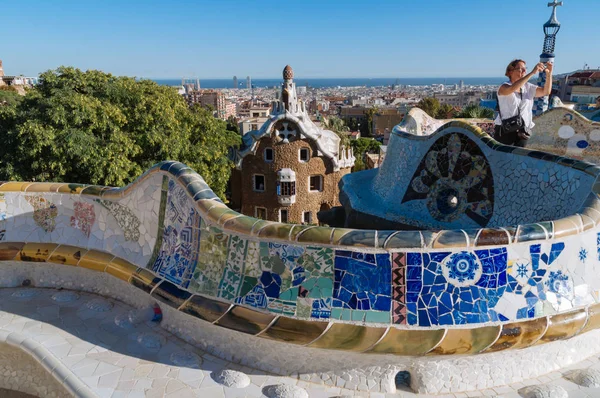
288,73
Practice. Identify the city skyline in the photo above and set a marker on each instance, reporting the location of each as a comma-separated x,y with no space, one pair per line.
381,39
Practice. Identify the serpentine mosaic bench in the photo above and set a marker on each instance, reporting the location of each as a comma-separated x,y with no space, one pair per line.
341,306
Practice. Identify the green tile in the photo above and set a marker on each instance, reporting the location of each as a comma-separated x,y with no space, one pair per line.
336,313
378,317
358,315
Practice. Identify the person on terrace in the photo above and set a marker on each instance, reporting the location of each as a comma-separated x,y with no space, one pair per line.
515,100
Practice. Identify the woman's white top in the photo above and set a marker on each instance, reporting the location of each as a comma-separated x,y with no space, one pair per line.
510,105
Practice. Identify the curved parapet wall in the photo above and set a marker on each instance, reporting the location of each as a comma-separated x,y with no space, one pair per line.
566,133
378,292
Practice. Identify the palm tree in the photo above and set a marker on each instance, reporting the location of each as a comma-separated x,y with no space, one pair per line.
475,111
338,126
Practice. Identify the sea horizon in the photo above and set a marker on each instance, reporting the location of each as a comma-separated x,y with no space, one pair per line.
336,82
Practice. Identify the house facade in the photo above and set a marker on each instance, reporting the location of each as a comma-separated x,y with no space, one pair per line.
289,169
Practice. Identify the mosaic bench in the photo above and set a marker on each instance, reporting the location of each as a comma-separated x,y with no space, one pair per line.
337,304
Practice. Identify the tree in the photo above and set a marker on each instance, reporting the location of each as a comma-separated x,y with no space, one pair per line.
232,124
361,146
475,111
92,127
446,111
370,113
9,95
338,126
430,106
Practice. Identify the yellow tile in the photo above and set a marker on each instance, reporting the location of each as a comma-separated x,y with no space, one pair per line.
242,225
338,233
348,337
298,229
9,250
36,252
408,342
519,334
276,231
294,331
12,186
228,215
205,308
122,269
71,188
564,227
587,222
245,320
40,187
260,224
593,321
68,255
564,326
94,190
144,275
112,194
95,260
467,341
56,186
217,211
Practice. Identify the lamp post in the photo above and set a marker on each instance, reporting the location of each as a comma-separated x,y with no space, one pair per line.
551,28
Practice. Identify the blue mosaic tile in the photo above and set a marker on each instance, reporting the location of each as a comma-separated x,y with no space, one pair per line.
362,281
446,288
180,246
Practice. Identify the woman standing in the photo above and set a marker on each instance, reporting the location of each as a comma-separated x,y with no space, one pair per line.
515,102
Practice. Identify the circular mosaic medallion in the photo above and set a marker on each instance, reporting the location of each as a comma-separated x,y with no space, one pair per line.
151,341
123,320
445,202
66,296
462,269
186,359
99,305
455,181
25,293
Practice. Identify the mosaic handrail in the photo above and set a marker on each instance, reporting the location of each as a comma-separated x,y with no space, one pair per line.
391,330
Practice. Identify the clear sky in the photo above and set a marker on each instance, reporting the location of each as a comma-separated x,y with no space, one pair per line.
325,38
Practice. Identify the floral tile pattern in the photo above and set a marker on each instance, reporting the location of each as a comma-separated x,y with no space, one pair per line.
454,288
44,212
84,217
126,219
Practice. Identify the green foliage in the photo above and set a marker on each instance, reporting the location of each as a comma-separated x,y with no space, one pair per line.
338,126
363,145
477,112
359,165
429,105
232,124
370,113
9,88
9,97
446,111
95,128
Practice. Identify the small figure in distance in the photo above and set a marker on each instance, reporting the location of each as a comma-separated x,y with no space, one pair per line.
515,102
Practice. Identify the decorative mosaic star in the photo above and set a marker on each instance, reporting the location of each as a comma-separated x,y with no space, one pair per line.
521,270
582,254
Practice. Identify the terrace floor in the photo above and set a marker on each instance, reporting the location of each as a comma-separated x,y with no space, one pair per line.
90,343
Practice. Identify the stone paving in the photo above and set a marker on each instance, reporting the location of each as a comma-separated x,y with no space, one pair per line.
96,347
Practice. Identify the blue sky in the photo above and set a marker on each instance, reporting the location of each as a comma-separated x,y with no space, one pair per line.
327,38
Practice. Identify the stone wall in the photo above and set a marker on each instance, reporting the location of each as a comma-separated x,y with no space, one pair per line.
286,155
